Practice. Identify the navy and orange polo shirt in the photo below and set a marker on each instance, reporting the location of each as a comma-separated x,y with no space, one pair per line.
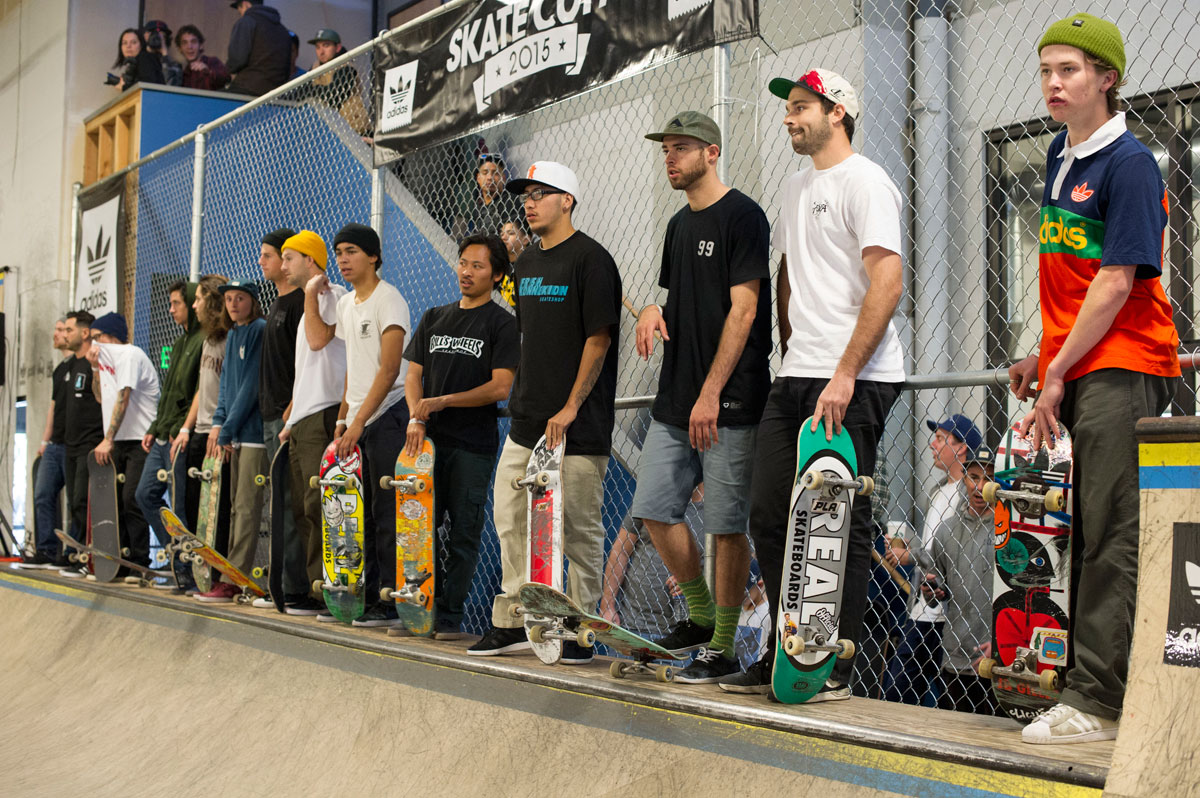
1105,204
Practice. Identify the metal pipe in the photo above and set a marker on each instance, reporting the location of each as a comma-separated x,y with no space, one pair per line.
73,255
197,205
720,101
377,201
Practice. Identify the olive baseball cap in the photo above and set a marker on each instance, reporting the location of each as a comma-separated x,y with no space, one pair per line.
690,123
326,35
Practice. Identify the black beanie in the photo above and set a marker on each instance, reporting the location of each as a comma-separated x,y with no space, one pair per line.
277,237
361,236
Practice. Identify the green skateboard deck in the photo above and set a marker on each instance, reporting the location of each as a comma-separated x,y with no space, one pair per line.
342,521
209,475
814,565
413,484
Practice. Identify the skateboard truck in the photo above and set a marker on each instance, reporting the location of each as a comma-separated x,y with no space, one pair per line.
412,485
539,480
409,593
321,584
1033,503
819,480
797,644
551,630
1023,669
317,482
619,669
205,474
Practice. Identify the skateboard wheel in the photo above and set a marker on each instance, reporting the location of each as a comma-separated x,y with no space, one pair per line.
206,475
516,611
848,649
385,482
193,472
866,486
535,633
318,585
989,492
985,667
1048,680
260,480
125,552
120,477
314,481
386,594
664,673
794,645
419,485
617,670
585,638
258,572
1055,501
542,479
812,480
516,483
161,475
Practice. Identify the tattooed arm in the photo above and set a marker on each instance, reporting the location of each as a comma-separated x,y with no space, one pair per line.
104,450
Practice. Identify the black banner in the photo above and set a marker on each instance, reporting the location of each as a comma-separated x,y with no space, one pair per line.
488,61
100,253
1183,615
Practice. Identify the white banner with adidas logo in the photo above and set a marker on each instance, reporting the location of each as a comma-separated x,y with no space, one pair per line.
99,259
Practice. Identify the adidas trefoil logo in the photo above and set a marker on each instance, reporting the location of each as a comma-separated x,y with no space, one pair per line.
1081,192
1193,579
97,258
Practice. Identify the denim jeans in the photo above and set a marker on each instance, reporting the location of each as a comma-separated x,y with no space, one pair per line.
152,494
51,479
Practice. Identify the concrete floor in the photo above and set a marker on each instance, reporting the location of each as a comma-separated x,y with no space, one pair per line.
123,691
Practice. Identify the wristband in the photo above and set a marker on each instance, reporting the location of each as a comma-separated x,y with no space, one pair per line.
184,431
341,422
45,443
412,421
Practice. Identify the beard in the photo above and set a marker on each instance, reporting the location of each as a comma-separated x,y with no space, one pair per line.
686,177
815,139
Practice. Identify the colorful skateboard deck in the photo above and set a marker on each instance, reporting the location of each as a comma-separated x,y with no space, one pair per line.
413,484
1032,574
814,565
342,522
277,507
570,622
85,553
104,533
543,554
209,516
192,547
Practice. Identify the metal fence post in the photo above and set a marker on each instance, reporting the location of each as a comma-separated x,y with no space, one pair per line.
197,205
377,200
73,255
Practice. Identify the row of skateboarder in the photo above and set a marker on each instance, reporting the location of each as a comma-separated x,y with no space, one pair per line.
326,364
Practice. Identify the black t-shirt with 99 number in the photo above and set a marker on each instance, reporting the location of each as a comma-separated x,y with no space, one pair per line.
563,295
705,254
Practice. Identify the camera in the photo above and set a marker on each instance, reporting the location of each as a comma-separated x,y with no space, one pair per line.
110,79
128,73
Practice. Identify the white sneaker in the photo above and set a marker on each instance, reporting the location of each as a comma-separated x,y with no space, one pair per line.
263,603
1064,724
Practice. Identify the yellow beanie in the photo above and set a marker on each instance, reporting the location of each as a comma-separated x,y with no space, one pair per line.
306,242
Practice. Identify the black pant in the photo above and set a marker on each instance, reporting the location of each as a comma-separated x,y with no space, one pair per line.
793,399
460,487
77,491
380,444
128,458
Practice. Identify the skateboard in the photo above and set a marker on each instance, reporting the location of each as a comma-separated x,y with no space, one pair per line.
84,553
414,539
103,532
570,622
543,555
208,517
1031,581
277,476
814,565
342,522
193,548
175,477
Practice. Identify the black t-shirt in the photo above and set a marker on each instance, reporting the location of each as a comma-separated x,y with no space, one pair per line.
278,369
457,350
60,383
84,427
706,253
564,295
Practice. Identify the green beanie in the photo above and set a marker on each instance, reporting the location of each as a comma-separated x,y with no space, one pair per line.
1096,37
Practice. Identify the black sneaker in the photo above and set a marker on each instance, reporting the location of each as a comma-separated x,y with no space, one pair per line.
444,629
686,636
61,563
500,641
304,606
754,680
708,666
376,616
575,654
36,561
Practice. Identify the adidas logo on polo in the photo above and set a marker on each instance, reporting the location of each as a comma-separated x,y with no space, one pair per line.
1081,192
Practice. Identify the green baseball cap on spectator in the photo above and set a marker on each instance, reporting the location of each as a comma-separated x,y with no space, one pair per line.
326,35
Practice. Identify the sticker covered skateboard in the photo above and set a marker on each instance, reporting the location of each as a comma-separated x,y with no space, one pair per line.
543,553
413,483
342,521
208,518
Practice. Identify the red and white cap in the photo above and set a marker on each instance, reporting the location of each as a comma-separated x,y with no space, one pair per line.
548,173
823,82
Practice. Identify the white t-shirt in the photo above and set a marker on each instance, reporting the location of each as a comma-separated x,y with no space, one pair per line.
943,504
126,366
320,374
828,217
361,326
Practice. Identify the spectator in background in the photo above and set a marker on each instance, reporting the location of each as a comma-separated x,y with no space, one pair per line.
157,39
135,64
296,71
260,51
484,207
340,88
515,235
202,71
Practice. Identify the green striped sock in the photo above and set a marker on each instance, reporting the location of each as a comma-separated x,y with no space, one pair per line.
699,601
724,629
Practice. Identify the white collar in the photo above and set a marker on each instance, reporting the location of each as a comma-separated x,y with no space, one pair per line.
1104,135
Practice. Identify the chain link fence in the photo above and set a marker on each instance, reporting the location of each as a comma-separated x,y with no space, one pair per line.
951,108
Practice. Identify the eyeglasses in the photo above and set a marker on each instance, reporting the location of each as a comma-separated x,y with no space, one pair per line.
537,194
